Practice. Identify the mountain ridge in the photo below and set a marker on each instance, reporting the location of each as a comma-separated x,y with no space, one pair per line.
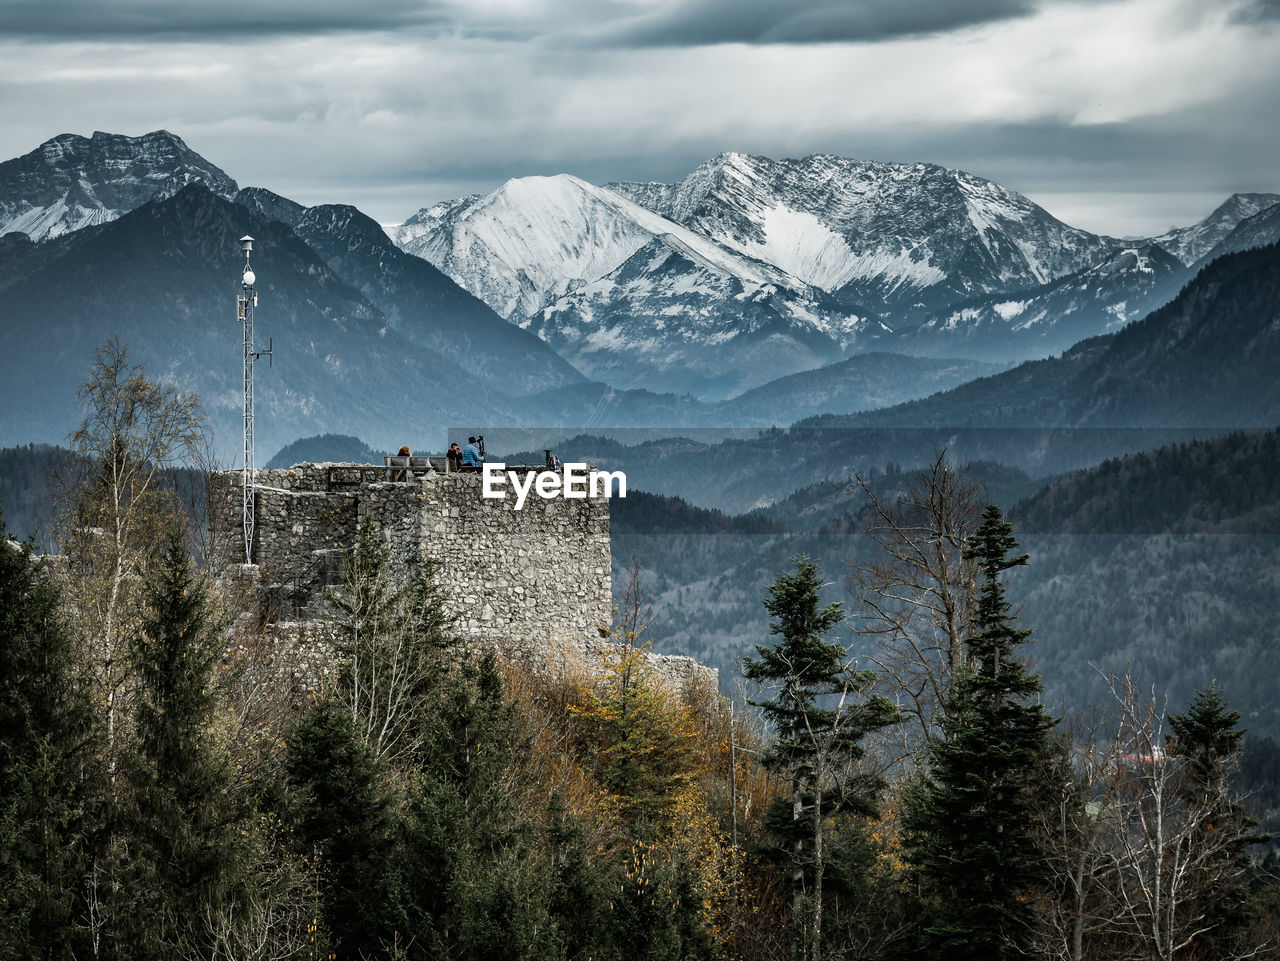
158,277
1192,243
70,182
1204,359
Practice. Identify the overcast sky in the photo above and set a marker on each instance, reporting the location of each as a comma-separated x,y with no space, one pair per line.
1121,117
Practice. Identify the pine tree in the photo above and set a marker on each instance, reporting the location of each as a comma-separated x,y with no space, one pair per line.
637,735
1208,736
969,824
820,719
475,881
342,817
45,755
577,893
1209,739
179,855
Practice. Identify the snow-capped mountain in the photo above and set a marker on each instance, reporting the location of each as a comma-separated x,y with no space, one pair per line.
673,286
1257,231
829,255
627,295
911,236
670,319
71,182
535,239
1126,286
1190,244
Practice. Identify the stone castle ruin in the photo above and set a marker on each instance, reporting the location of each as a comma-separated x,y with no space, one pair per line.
533,582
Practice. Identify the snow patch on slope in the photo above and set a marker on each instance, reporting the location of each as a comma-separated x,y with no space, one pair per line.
898,269
802,245
1010,308
806,248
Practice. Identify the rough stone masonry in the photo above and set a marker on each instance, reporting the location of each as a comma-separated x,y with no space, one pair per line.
535,583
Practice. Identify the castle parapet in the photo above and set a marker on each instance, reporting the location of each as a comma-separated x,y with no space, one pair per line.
536,575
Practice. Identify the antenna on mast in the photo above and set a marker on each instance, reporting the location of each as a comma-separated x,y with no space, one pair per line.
245,304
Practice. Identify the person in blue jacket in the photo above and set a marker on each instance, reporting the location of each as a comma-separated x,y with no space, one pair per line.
471,459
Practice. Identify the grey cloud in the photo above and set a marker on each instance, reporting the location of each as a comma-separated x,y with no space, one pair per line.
785,21
1152,157
587,23
147,19
1258,11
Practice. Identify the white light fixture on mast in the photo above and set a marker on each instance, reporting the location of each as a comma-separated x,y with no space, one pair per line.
245,304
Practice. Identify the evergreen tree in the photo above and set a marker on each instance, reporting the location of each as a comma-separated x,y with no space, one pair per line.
820,720
1209,739
178,852
576,894
637,735
342,817
478,888
654,910
45,756
969,823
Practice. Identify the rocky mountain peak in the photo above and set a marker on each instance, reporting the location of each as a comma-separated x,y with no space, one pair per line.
1190,244
71,181
901,232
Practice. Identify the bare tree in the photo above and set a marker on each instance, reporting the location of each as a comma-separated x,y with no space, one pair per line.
211,545
915,595
274,917
633,618
117,506
389,635
1078,786
1137,858
838,779
1167,841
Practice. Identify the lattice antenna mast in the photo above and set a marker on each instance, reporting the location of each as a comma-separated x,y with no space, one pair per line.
245,303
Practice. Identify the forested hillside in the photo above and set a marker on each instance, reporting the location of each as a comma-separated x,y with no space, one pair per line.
325,448
1225,485
26,487
1163,561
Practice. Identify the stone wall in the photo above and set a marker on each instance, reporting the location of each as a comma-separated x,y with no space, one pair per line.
534,582
302,531
534,575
